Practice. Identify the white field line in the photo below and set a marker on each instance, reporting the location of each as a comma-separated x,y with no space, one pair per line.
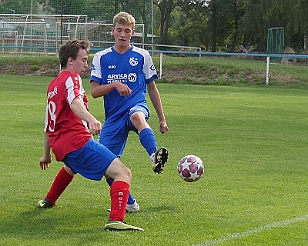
252,231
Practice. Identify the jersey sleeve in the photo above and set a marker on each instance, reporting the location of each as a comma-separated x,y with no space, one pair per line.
96,74
149,69
73,88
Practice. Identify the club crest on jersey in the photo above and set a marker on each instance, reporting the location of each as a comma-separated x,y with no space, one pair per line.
132,77
133,61
152,67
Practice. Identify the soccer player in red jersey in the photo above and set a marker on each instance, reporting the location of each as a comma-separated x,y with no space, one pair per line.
68,133
134,69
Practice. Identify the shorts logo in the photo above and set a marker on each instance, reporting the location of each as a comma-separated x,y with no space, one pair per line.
132,77
133,61
152,67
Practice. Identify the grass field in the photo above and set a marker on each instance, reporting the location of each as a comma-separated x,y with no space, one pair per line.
253,142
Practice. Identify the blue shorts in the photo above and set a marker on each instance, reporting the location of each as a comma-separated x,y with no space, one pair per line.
115,130
91,161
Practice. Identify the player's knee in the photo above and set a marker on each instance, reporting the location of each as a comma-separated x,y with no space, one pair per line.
137,118
118,171
126,172
124,175
68,170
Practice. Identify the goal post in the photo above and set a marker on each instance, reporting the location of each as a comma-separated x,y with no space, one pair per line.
44,34
41,33
275,41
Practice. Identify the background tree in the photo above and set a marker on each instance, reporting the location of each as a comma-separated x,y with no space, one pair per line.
216,25
18,7
253,24
300,22
165,7
261,15
237,12
193,30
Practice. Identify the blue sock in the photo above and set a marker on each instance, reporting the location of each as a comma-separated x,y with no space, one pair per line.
131,199
147,140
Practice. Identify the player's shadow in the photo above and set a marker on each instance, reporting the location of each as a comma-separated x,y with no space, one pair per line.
43,223
26,223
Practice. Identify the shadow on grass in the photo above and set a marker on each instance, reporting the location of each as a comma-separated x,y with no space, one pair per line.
37,225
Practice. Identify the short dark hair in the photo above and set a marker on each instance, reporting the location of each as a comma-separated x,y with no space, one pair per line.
71,49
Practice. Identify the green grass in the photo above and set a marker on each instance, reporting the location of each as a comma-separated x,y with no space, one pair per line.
252,140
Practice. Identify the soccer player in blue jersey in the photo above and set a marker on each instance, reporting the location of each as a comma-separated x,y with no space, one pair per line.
122,74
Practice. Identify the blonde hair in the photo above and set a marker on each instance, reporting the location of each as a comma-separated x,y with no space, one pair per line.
124,18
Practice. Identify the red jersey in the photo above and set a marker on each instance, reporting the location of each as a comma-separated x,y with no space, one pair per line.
66,131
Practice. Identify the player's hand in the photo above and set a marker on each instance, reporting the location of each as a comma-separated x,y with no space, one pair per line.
44,162
123,89
95,127
163,127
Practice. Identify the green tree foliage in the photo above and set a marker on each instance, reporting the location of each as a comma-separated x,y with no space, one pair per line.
193,28
18,6
102,10
260,15
222,25
165,7
216,25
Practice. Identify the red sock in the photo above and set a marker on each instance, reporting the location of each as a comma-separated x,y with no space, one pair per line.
119,192
62,180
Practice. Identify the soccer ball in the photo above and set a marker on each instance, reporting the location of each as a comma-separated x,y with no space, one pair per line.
190,168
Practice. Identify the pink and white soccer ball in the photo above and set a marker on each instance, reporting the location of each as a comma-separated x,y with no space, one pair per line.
190,168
